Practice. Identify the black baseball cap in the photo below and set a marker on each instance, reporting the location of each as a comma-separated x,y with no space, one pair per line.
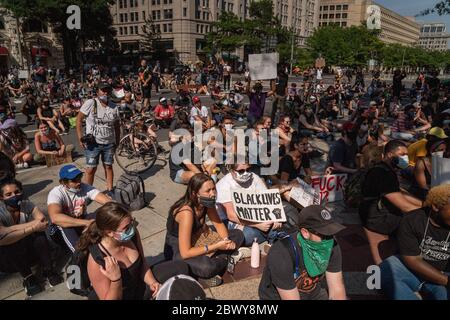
105,86
318,219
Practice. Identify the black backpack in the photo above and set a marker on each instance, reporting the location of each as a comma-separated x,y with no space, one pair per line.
130,192
79,259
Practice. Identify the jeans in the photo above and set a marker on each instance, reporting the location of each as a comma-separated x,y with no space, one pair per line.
93,153
402,136
400,283
251,233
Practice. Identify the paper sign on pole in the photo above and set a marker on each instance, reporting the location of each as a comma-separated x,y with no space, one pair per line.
263,66
440,167
305,195
330,188
264,206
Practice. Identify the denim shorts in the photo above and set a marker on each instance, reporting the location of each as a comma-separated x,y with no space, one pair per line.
178,177
93,153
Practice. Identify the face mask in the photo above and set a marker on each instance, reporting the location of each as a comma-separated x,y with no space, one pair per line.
401,162
243,178
228,127
316,255
123,105
73,190
127,235
103,99
207,202
14,202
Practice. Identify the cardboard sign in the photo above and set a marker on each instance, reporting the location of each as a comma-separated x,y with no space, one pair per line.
305,195
264,206
330,188
56,160
24,74
320,63
263,66
440,168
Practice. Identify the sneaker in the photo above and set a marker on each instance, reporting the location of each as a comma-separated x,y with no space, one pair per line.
241,254
31,286
54,278
213,282
26,165
19,166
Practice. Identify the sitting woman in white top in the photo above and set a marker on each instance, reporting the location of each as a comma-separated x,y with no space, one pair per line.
67,204
22,238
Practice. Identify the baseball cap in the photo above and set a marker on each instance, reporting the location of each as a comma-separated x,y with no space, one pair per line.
438,133
163,99
373,103
318,219
104,86
69,172
446,111
195,99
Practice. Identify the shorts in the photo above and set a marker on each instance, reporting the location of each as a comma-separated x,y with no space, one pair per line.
93,153
178,177
147,92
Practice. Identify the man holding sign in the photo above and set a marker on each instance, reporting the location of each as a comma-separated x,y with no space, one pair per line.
244,203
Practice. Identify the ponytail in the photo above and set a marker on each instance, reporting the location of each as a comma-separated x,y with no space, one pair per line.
93,235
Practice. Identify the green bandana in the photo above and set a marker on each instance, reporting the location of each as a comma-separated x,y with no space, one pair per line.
316,255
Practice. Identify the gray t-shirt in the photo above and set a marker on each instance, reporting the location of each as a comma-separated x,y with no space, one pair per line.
103,127
26,213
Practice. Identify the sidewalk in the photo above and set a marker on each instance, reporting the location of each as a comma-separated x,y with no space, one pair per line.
162,193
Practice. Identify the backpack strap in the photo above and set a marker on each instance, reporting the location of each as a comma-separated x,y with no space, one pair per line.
293,252
97,254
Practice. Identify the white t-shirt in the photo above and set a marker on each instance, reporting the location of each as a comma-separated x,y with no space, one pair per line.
226,184
319,74
73,205
103,130
204,113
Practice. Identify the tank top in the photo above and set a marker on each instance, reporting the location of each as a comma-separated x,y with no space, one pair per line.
173,225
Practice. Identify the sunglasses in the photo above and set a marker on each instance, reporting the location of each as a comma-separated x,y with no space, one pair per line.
242,171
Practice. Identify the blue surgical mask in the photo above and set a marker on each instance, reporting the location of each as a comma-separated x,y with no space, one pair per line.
402,162
103,99
126,235
73,190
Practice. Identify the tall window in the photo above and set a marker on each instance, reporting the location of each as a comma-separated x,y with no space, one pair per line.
169,27
345,7
131,4
121,31
164,27
184,12
136,30
120,4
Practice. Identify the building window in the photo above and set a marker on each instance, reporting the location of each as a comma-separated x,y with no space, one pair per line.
344,16
131,3
121,18
344,24
143,2
120,4
121,31
338,15
125,31
321,8
132,17
345,7
338,7
198,28
325,8
125,3
126,17
332,16
164,27
169,27
136,30
143,15
168,14
184,12
325,15
320,16
331,8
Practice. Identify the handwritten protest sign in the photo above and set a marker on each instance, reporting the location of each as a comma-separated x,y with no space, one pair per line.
56,160
305,195
330,188
263,66
259,207
440,167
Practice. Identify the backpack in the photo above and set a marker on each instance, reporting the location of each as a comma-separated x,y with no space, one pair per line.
79,260
130,191
353,196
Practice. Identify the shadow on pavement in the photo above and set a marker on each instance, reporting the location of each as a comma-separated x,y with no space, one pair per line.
31,189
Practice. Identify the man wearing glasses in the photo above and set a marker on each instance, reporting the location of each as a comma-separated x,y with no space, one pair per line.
67,204
298,263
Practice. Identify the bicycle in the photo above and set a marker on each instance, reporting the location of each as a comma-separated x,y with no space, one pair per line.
137,151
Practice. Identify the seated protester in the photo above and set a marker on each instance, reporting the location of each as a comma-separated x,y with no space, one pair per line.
423,169
67,111
217,94
187,222
423,261
235,99
50,116
384,203
293,162
218,110
183,100
67,204
7,168
14,143
22,238
362,128
239,87
401,129
125,111
342,156
47,142
180,121
420,119
285,132
418,149
297,264
309,124
240,177
373,112
122,272
164,113
200,114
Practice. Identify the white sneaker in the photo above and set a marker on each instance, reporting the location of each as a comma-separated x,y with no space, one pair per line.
242,253
25,165
19,166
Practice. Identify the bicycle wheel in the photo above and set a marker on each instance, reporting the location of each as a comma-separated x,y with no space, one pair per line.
136,153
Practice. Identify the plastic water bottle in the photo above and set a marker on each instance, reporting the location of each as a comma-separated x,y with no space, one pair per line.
255,254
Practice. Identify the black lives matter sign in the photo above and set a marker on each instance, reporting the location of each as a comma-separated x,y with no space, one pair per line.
263,206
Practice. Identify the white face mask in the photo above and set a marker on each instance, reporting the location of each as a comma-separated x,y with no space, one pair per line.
228,127
243,178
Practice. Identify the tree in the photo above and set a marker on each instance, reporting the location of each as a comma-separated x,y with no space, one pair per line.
150,36
96,23
227,33
441,8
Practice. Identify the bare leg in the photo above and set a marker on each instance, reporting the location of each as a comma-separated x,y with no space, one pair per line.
109,174
90,175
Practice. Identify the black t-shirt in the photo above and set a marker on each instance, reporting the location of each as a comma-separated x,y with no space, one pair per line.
434,246
282,84
287,165
280,268
344,154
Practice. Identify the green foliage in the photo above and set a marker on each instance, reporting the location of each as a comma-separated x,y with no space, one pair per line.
150,36
441,8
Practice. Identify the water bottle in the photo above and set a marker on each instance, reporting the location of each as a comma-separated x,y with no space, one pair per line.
255,254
